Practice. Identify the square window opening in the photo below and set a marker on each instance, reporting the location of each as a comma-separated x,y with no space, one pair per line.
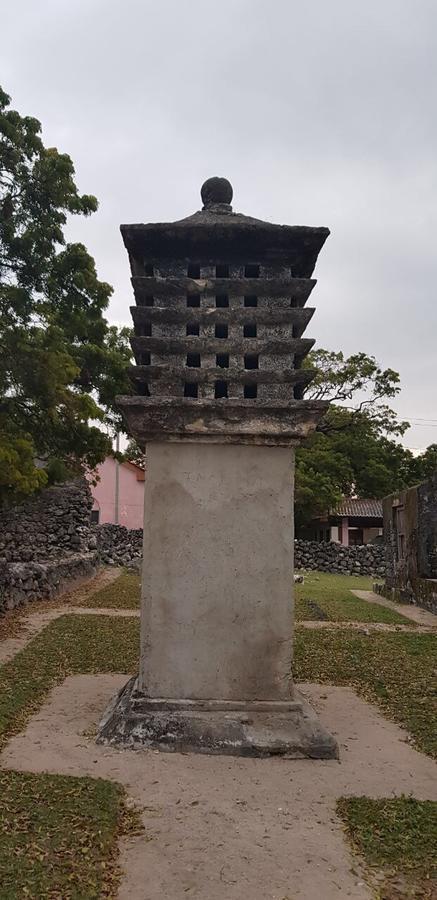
149,270
193,299
192,328
221,330
249,330
191,389
95,516
222,271
145,359
250,391
193,360
149,301
143,390
251,271
222,360
146,329
193,270
251,301
250,360
222,301
221,389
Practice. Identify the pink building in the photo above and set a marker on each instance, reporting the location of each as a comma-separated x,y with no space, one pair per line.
118,494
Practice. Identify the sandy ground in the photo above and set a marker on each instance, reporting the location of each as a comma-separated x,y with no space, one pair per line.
415,613
366,627
222,828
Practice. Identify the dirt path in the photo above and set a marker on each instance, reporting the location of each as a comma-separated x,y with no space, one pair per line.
223,828
367,627
39,619
415,613
31,620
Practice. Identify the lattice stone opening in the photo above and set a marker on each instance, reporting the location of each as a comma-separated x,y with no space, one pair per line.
220,389
250,330
226,299
191,389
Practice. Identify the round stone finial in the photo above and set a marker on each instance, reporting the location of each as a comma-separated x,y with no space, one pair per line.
216,191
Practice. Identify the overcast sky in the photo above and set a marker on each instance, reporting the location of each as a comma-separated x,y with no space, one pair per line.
320,112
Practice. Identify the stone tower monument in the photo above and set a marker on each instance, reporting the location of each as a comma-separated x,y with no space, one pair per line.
218,406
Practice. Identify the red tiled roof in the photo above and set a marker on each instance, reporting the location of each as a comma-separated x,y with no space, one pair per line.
371,509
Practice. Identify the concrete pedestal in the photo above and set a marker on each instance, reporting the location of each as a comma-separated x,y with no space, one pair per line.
217,618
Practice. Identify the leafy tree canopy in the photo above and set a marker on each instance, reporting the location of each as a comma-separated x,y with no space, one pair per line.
61,364
353,452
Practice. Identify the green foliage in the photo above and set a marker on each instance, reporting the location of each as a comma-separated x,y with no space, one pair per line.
58,836
122,593
60,363
397,836
134,453
331,594
394,670
353,452
70,645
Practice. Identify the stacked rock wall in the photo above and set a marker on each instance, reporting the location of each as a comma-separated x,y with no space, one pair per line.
366,559
45,543
119,546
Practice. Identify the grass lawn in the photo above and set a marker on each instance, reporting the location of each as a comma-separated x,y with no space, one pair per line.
394,670
322,596
58,836
122,593
325,596
395,838
70,838
69,645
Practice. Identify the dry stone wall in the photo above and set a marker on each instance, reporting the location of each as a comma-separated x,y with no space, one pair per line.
366,559
45,543
119,546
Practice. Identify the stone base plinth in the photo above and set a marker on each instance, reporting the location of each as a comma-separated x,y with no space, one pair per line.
239,728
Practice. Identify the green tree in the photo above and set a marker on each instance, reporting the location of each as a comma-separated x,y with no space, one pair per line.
134,453
60,363
354,451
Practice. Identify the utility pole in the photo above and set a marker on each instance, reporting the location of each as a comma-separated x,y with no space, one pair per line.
117,477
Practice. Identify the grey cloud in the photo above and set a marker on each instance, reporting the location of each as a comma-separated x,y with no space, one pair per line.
320,113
